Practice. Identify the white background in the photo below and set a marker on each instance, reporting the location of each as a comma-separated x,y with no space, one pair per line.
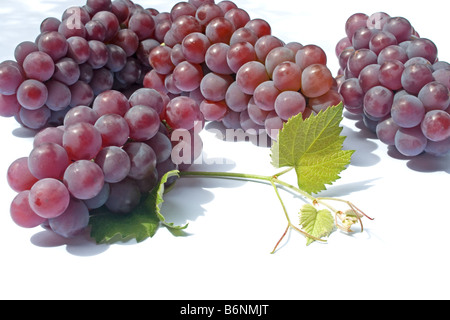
402,254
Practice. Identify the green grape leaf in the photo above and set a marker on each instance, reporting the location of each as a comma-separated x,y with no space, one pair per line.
142,223
314,147
316,223
160,199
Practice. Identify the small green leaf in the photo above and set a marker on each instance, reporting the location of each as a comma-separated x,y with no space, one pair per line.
316,223
314,148
140,224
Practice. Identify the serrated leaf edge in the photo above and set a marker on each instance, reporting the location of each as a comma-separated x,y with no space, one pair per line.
160,200
305,224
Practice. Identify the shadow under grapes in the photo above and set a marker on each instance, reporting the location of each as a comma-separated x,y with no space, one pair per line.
82,245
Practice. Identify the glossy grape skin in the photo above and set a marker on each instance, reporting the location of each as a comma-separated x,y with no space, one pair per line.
287,76
39,65
323,102
72,221
32,94
162,146
273,125
236,99
49,198
49,135
21,212
265,95
127,40
378,101
95,30
11,77
194,47
386,131
415,76
213,110
114,162
310,54
67,30
345,56
34,119
182,113
260,27
422,47
143,122
94,6
80,114
400,27
410,141
256,114
289,104
435,96
82,141
59,95
124,196
381,40
147,97
438,148
390,74
244,34
238,17
239,54
250,76
408,111
442,76
265,44
216,58
142,23
392,52
214,86
48,160
207,12
54,44
81,94
277,56
187,76
182,8
183,26
316,80
361,38
377,20
99,200
369,77
19,177
353,95
219,29
23,49
68,71
354,22
84,179
111,101
360,59
78,49
9,106
436,125
160,60
98,54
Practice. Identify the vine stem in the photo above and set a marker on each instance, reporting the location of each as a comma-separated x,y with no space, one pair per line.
273,180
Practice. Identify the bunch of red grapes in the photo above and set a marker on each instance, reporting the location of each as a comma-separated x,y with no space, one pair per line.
393,77
108,85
